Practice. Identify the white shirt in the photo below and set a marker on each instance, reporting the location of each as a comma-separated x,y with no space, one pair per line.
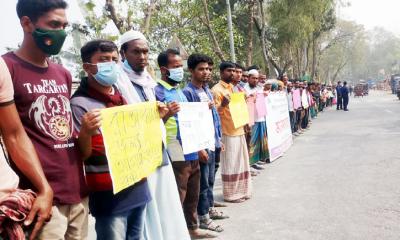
290,101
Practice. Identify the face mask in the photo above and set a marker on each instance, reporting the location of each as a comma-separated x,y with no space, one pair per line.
176,74
107,73
49,41
127,65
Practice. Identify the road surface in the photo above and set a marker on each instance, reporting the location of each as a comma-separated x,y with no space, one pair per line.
340,180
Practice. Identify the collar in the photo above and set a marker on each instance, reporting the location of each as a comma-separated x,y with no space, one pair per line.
226,85
191,85
167,85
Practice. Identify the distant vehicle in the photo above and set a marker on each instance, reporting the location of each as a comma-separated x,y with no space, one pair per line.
361,90
394,82
358,91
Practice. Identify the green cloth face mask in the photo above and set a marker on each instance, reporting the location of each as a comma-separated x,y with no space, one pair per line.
49,41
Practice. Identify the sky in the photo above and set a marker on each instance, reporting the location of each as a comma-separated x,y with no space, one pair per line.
374,13
370,13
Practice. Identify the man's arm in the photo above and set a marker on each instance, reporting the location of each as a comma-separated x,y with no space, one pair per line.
23,154
91,122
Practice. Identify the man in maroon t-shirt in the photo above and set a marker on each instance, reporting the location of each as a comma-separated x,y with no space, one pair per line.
42,91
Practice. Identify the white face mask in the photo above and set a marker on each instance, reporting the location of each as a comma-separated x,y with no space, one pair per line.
176,74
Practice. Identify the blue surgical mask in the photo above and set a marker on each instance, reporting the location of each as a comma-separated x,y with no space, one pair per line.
107,73
127,65
176,74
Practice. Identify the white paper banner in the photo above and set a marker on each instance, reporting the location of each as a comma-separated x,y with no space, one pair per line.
278,125
196,126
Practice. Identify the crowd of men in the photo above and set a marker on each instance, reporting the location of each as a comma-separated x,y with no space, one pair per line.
59,170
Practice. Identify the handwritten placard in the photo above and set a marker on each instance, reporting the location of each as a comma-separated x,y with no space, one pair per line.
196,126
238,109
133,141
261,109
251,107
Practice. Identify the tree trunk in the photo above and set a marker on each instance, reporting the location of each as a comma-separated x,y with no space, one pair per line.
299,65
145,28
110,8
250,34
314,58
230,29
207,23
340,67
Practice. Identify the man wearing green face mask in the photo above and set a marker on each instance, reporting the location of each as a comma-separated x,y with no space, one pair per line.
42,91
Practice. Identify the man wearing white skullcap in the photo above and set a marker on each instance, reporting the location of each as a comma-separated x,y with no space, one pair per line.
165,202
130,36
135,49
258,140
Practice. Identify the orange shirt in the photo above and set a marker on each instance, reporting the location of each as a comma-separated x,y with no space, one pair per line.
219,91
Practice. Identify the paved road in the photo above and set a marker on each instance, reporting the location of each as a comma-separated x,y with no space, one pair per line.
340,180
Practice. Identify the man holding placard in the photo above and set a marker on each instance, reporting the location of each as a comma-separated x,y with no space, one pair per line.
119,215
186,166
139,87
258,142
197,91
235,166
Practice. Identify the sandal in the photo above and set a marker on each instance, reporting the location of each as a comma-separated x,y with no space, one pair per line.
210,225
217,215
201,234
218,204
240,200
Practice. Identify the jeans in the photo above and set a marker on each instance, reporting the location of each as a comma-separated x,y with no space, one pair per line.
187,176
345,102
127,225
292,116
217,160
339,104
207,179
304,122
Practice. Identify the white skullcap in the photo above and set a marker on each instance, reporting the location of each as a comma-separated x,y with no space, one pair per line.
253,72
130,36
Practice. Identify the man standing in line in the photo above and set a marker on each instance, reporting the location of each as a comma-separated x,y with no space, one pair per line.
42,91
218,150
245,78
235,167
140,87
345,96
237,87
292,114
258,141
121,215
25,158
197,91
262,80
339,103
186,167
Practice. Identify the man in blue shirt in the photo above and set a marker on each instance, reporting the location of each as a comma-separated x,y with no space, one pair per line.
186,167
197,91
345,96
339,103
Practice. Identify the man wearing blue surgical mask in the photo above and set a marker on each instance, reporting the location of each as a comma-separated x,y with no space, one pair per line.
186,166
119,216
